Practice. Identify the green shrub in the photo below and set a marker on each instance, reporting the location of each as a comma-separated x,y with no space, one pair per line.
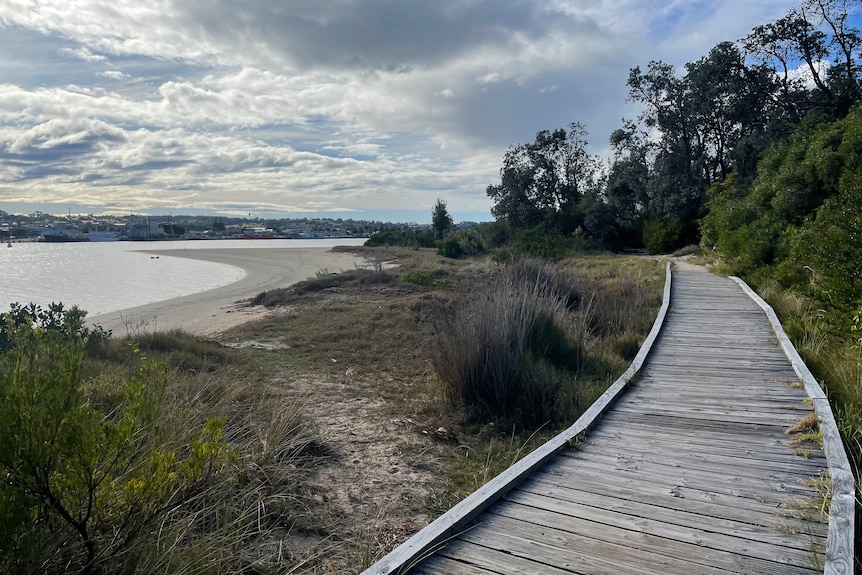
450,248
65,324
406,238
662,235
86,470
347,279
543,242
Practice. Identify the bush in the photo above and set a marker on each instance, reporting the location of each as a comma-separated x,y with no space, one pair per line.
405,238
504,351
662,235
356,278
423,279
64,324
450,248
86,470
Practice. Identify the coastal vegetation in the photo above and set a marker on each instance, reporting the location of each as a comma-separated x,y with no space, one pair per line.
752,153
139,456
165,452
373,347
318,438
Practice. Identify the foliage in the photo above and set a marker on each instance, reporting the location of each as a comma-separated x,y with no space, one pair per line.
503,352
521,348
450,248
441,221
419,278
476,240
549,175
66,324
405,237
86,469
662,235
802,217
348,278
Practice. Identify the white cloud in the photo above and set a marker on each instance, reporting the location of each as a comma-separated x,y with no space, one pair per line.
113,74
82,53
312,103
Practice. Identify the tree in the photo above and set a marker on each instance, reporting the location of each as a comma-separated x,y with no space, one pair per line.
697,121
546,177
441,221
818,36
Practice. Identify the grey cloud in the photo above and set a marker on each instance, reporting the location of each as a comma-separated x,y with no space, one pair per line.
296,104
388,35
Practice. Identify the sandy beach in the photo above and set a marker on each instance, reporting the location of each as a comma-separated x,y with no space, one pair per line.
213,311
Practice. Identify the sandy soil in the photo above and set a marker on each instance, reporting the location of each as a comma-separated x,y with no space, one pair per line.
376,480
214,311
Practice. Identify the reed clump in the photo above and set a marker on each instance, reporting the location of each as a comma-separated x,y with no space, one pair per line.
518,347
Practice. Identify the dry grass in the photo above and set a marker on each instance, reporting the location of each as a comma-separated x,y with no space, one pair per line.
822,339
345,440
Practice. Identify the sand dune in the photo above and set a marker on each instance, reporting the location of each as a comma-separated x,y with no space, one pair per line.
213,311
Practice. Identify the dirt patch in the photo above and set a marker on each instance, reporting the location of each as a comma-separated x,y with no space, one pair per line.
355,350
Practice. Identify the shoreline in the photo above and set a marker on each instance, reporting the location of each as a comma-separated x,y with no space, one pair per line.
214,311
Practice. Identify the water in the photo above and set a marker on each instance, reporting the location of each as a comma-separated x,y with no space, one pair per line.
109,276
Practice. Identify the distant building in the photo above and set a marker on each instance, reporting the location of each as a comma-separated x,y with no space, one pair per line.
146,231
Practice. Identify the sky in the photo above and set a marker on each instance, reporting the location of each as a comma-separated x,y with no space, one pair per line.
364,109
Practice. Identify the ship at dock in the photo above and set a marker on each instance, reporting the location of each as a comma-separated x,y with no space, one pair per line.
258,233
63,236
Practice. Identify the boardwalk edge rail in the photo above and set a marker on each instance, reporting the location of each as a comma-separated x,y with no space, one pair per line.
439,531
839,542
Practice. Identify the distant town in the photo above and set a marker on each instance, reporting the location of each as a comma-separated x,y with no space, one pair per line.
40,226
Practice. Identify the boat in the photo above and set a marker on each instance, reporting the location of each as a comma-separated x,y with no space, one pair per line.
258,233
104,236
63,236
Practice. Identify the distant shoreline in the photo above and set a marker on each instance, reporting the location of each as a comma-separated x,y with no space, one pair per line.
214,311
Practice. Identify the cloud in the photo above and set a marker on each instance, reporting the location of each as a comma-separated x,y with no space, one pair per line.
82,53
306,105
113,74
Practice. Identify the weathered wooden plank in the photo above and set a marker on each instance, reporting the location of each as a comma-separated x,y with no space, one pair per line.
682,422
467,510
776,418
575,552
734,454
680,455
580,504
440,564
703,437
703,548
839,552
672,476
712,504
498,561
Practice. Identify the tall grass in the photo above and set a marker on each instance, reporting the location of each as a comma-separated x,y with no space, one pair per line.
517,348
824,339
246,450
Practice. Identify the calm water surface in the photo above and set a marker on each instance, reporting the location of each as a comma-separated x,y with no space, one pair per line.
107,276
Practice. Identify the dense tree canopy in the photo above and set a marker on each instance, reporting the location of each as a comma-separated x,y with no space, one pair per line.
710,123
549,176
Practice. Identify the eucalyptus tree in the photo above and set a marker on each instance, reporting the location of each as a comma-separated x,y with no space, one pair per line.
546,177
696,120
813,51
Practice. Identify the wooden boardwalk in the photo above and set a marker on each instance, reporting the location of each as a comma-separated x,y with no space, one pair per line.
690,471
